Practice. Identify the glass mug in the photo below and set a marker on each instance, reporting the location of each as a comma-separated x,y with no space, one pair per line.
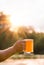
28,46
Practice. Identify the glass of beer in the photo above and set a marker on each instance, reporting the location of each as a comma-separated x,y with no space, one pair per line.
28,46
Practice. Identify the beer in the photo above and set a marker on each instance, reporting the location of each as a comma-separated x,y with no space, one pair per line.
28,45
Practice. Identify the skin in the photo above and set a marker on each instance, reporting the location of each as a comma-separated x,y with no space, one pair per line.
6,53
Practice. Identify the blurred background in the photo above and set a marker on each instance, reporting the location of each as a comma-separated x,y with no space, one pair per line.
22,19
8,36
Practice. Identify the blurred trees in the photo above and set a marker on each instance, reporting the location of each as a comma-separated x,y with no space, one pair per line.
30,33
8,38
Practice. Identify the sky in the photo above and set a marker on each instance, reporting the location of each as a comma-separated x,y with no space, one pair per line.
24,12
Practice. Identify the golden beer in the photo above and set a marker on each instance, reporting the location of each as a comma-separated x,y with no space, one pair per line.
28,45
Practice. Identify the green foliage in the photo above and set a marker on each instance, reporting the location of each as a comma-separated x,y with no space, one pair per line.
8,38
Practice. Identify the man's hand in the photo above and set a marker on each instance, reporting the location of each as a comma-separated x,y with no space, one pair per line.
19,45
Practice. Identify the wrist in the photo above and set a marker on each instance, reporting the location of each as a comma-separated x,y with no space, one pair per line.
14,49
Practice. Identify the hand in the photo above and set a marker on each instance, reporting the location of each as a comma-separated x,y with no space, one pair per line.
19,45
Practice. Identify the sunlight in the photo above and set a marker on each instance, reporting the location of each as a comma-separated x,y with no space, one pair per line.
14,24
24,12
13,29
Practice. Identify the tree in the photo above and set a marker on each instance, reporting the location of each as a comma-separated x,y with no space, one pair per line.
4,22
5,33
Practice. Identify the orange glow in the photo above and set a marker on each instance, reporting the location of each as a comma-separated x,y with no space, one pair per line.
29,46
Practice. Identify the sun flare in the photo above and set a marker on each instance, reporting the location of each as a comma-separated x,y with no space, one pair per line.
24,12
14,24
